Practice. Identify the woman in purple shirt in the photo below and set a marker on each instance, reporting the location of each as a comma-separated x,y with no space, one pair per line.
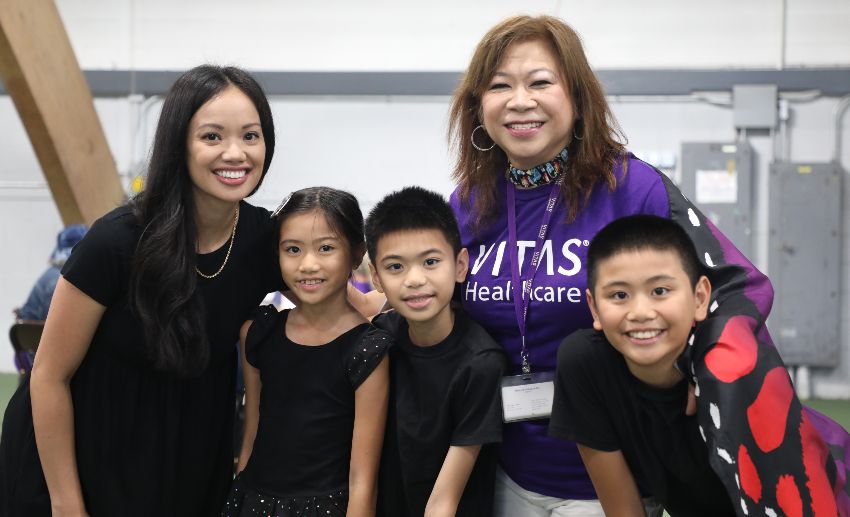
532,129
540,169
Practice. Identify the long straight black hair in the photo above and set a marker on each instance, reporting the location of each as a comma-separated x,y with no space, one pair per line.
163,278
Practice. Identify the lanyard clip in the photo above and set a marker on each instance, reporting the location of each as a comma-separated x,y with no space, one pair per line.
526,366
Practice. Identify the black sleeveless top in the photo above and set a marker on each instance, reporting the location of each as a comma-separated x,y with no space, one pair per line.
303,442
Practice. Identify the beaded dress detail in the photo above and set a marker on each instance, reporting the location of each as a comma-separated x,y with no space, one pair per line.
539,175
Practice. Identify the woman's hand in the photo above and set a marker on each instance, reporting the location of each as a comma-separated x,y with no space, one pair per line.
75,512
691,406
368,304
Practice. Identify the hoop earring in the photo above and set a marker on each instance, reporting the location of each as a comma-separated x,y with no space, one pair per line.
472,139
575,135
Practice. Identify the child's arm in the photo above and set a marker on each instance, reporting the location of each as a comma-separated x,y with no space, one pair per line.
370,414
613,482
452,480
253,386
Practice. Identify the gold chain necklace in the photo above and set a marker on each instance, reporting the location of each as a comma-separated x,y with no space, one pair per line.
230,247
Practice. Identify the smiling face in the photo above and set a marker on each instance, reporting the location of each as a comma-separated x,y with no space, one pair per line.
314,260
225,149
527,109
418,270
644,303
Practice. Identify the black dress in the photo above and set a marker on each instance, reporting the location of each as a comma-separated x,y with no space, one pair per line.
299,464
147,443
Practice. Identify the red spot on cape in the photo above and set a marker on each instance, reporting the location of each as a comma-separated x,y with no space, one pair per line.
768,414
736,351
750,482
815,456
788,497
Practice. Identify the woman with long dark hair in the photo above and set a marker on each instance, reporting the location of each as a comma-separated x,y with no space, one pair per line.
129,407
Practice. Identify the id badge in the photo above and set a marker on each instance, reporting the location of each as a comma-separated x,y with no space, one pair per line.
527,397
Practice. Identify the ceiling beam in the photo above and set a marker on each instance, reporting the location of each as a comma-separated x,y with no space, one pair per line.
50,92
831,82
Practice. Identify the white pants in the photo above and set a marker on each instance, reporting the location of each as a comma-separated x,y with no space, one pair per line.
511,500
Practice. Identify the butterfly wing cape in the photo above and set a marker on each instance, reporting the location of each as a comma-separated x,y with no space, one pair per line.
774,456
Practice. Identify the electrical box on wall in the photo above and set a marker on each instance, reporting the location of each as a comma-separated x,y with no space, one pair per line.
755,106
804,261
718,178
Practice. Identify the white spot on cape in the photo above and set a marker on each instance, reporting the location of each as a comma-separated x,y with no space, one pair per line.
725,456
708,260
693,217
714,306
744,507
715,414
702,433
696,389
770,512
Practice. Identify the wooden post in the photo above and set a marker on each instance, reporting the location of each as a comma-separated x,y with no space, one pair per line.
41,74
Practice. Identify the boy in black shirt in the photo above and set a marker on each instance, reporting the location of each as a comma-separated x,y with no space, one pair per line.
619,393
444,414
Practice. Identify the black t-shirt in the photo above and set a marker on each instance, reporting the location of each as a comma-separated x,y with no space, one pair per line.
303,442
147,442
600,404
442,395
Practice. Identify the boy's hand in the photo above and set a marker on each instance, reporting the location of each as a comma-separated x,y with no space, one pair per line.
451,481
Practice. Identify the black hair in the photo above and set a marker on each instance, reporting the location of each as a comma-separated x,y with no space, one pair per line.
163,278
411,208
642,232
340,209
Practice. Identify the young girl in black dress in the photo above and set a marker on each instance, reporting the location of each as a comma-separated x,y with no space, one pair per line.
316,378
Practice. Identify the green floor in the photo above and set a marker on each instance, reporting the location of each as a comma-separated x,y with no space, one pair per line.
8,383
838,410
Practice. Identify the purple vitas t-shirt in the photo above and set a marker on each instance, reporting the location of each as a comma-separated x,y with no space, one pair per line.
531,458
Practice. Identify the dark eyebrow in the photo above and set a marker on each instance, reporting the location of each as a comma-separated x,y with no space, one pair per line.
621,283
616,283
220,127
530,72
658,278
329,237
432,251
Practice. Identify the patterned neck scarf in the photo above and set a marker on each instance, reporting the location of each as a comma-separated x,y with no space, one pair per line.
540,175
